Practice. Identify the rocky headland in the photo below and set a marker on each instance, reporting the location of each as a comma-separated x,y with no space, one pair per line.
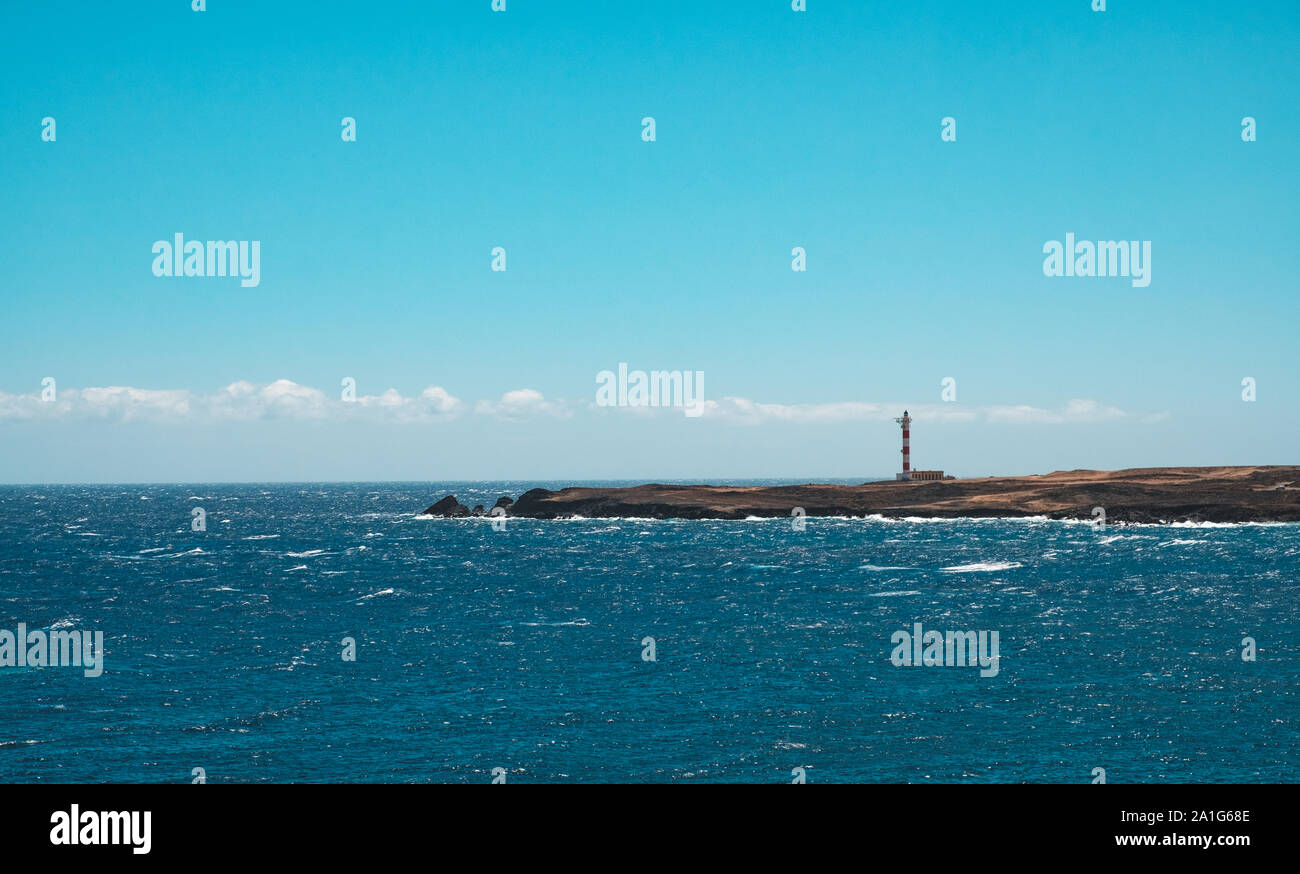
1152,494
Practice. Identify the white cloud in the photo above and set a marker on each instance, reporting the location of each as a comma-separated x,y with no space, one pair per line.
282,399
521,403
753,412
239,401
108,402
285,399
1075,411
432,403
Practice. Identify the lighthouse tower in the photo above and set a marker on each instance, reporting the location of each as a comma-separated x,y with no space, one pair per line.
906,422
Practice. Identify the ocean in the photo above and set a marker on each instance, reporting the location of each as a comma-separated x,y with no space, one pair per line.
610,650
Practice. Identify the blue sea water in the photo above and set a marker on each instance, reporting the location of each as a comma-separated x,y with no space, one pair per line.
522,649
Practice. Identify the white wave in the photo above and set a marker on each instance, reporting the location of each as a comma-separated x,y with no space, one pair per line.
893,594
968,519
307,554
375,594
982,566
262,537
1230,524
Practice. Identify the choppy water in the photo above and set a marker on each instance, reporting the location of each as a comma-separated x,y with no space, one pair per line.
522,649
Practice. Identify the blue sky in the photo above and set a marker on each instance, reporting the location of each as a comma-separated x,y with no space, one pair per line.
522,129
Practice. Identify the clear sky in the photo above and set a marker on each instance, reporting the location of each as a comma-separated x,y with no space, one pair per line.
774,129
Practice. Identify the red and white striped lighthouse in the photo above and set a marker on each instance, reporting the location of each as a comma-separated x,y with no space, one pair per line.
906,422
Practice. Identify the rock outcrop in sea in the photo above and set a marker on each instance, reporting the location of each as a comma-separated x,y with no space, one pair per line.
449,507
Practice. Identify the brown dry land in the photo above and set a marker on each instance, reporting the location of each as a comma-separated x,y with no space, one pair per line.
1152,494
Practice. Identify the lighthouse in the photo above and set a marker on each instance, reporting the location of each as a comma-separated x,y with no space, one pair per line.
908,475
906,423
